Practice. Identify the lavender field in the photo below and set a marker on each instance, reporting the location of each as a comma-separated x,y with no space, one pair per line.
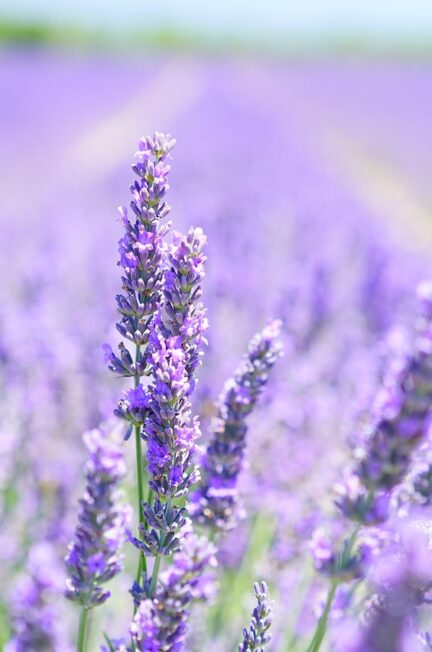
271,397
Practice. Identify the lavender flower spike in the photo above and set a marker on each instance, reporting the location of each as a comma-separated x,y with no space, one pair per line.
403,421
160,625
215,502
185,314
94,555
258,634
171,433
141,252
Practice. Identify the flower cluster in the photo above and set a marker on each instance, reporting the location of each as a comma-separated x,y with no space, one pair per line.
215,502
185,313
160,624
404,419
94,556
141,252
401,578
345,565
257,636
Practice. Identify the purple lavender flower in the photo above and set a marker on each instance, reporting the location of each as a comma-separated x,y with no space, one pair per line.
160,624
344,565
141,257
404,419
401,578
185,313
38,617
216,501
94,555
258,634
169,430
171,433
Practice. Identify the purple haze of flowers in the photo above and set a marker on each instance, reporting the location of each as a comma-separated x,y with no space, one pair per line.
160,624
94,556
401,577
38,621
417,487
403,421
215,502
257,636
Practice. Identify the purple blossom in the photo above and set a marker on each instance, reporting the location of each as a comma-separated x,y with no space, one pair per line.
169,430
160,625
404,418
216,500
94,556
141,253
257,636
185,313
401,578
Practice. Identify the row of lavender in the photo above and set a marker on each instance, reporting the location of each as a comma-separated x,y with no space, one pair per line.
337,296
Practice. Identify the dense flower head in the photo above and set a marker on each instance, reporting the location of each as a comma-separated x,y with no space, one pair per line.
164,529
94,555
169,429
141,251
401,579
184,311
160,624
403,420
216,500
258,635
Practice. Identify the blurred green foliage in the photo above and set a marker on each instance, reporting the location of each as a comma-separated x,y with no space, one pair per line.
23,33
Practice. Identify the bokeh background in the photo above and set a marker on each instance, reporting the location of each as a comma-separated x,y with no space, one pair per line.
304,150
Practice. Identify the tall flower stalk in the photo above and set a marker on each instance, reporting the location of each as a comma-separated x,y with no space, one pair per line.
160,623
216,503
258,635
94,555
141,259
163,316
169,429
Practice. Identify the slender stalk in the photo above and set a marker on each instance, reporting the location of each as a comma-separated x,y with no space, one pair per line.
155,575
157,561
82,630
142,563
322,623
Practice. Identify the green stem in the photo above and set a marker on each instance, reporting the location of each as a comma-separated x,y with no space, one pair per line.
155,575
322,623
82,630
142,563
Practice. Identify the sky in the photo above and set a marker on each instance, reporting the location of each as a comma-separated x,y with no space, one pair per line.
386,19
